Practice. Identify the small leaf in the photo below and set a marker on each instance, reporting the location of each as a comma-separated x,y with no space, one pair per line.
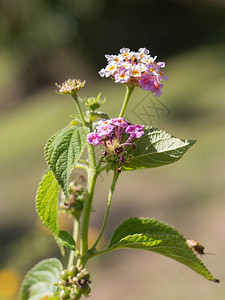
157,148
66,240
62,152
156,236
99,114
39,281
47,209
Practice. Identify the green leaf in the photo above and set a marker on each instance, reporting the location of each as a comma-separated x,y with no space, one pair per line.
39,281
47,202
156,236
157,148
97,114
47,209
65,239
62,152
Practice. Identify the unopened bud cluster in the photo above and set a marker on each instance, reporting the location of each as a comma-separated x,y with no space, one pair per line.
74,283
70,86
77,194
93,103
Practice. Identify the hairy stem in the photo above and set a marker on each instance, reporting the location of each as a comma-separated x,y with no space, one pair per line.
79,108
75,236
111,191
129,91
92,176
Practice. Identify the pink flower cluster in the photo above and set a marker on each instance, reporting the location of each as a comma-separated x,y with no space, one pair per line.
109,133
136,69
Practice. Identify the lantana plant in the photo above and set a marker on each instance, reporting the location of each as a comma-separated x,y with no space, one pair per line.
124,147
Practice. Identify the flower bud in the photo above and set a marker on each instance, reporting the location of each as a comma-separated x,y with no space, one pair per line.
75,294
61,282
64,275
93,103
64,295
79,276
71,86
72,271
83,274
85,289
86,275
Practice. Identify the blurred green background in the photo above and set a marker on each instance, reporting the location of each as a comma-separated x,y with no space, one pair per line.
48,41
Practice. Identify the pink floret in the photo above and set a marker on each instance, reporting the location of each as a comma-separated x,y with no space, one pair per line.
119,122
146,82
157,88
135,131
93,138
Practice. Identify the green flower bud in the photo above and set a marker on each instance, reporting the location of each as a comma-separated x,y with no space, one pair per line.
85,289
64,295
72,271
86,275
75,294
64,275
79,275
61,282
93,103
83,274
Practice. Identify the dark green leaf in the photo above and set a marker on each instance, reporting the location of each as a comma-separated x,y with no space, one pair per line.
157,148
153,235
39,281
63,150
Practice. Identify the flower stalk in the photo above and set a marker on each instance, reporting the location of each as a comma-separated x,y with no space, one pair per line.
74,95
76,225
129,91
111,191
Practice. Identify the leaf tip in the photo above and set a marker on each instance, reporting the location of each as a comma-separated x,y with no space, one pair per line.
193,142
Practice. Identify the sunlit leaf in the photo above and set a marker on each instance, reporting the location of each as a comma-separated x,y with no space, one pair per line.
156,236
47,201
157,148
62,152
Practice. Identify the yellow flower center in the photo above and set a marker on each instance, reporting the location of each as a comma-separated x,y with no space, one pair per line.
135,72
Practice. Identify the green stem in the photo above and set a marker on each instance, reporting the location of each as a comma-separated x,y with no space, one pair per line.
79,108
129,90
111,191
75,236
100,252
80,166
92,176
102,169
